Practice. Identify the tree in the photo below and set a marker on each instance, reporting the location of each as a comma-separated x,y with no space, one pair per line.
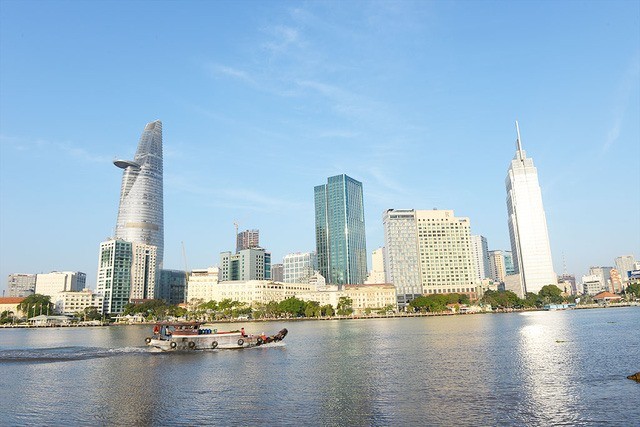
633,289
292,306
36,304
312,309
345,306
550,294
532,300
6,317
327,310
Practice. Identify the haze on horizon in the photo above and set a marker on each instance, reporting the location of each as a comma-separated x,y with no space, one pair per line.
262,101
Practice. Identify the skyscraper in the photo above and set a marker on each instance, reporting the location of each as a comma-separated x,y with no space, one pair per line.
428,252
140,216
480,251
340,237
402,260
528,223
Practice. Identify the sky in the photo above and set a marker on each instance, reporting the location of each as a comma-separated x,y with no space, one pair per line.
263,100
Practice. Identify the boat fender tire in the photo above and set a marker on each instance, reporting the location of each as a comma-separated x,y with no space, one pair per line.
192,344
147,340
214,344
240,341
173,344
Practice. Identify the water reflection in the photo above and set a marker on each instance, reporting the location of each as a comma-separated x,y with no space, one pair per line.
511,369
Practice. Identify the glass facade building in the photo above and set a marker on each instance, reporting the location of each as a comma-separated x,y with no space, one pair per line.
340,235
140,216
528,224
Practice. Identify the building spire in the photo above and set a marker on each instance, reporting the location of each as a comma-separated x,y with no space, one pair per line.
519,153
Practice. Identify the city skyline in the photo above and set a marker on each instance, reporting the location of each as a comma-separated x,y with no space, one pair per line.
259,104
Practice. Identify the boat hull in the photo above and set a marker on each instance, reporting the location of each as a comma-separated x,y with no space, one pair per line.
211,341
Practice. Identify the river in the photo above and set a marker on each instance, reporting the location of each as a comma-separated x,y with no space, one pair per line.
532,368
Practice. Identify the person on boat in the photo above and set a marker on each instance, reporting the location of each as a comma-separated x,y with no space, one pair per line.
242,332
156,329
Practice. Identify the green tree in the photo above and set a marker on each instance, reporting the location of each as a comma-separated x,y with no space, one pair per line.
327,310
550,294
292,306
36,304
312,309
6,317
532,300
345,306
633,289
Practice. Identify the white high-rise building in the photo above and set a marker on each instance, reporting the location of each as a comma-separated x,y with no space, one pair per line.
528,223
480,251
497,266
60,281
126,271
402,258
299,267
143,271
428,252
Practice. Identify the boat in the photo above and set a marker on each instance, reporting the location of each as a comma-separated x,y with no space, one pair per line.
180,336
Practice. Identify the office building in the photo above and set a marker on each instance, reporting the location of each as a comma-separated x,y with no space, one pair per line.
624,265
248,264
247,239
143,271
508,263
402,260
427,252
528,223
340,234
126,271
277,272
21,285
299,267
171,286
480,251
114,275
497,270
140,215
60,281
592,284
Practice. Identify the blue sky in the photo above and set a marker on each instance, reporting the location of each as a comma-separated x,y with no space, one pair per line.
261,101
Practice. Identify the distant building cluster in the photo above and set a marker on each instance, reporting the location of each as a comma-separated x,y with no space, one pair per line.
425,252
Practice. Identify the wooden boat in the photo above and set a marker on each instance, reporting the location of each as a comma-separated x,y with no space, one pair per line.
200,336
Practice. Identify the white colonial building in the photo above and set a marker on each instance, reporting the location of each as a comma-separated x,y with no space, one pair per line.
72,302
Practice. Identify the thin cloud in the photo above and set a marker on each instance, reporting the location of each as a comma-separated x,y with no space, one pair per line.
218,69
67,148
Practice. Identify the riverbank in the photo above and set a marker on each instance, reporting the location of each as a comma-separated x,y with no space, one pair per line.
351,317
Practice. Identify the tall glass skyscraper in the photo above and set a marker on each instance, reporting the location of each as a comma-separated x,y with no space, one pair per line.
140,216
340,237
528,224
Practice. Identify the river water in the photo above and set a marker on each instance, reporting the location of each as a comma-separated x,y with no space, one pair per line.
534,368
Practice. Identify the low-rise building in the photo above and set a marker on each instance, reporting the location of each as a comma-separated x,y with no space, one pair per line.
592,284
11,304
372,297
73,302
